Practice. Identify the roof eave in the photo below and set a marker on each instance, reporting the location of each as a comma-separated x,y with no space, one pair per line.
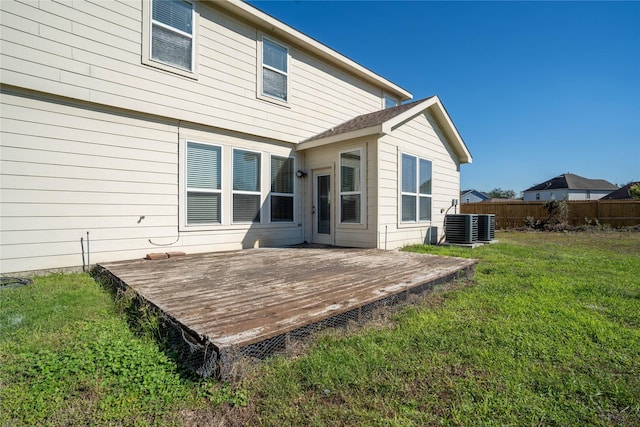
436,107
432,104
264,21
371,130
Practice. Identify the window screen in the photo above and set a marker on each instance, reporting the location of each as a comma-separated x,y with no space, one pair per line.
172,33
275,60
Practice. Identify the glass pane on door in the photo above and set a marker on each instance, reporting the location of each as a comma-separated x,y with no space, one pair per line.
324,204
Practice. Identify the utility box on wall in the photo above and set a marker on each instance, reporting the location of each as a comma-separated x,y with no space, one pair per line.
431,236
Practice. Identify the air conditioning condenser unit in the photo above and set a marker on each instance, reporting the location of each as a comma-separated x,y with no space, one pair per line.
486,227
461,228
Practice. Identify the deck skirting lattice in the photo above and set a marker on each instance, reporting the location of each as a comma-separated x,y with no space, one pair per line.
214,314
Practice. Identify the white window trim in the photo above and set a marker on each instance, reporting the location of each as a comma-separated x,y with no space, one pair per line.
147,32
184,171
292,195
417,194
385,96
340,193
259,66
253,193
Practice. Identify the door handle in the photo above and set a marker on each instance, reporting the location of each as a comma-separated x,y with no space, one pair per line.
313,210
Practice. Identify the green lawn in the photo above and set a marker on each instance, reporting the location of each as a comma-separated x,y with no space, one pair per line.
547,333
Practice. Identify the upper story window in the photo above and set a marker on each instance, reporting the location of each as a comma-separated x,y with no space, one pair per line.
172,33
275,70
389,101
351,187
416,189
204,189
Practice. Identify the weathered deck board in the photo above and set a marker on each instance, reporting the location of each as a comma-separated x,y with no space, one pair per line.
244,297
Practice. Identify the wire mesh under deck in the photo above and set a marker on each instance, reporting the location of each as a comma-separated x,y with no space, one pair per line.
220,307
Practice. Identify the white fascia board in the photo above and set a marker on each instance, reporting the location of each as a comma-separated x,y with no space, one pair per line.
434,105
283,31
450,129
412,112
372,130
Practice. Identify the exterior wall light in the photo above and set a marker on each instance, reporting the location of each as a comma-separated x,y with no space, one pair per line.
301,174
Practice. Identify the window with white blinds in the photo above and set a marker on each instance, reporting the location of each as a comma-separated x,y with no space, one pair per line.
246,186
275,70
203,183
416,191
172,37
351,187
282,177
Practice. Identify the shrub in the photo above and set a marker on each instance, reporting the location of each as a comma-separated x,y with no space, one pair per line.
558,215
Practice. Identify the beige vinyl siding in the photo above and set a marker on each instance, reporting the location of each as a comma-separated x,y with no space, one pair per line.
92,52
328,156
338,97
67,168
418,137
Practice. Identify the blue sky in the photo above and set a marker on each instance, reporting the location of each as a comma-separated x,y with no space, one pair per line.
536,89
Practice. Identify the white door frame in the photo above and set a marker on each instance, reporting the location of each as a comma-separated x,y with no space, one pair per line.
319,236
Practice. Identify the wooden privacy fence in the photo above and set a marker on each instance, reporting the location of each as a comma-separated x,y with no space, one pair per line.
512,214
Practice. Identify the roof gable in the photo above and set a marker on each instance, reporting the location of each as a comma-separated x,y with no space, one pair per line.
384,121
289,34
569,181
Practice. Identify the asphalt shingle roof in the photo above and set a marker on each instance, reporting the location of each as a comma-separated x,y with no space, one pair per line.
621,193
366,120
573,182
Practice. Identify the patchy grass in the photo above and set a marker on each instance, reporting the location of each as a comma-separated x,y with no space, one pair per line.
68,357
547,333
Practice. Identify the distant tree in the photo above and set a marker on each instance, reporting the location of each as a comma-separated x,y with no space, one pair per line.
499,193
634,191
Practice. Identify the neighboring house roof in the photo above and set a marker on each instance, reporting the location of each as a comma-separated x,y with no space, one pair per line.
621,193
476,192
569,181
289,34
383,121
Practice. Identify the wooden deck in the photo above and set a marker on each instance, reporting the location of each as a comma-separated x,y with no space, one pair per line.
244,299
